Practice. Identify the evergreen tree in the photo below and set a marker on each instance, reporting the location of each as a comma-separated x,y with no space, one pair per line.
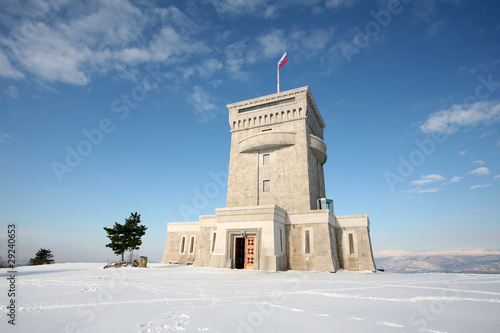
126,237
42,257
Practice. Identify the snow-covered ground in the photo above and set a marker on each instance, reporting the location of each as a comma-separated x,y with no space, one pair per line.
83,297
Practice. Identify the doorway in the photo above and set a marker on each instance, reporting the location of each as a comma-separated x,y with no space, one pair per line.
244,252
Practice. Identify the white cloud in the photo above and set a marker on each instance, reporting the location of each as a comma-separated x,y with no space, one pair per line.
314,42
474,187
6,69
236,8
273,44
437,27
462,153
236,57
450,120
337,4
12,91
92,38
208,67
421,190
480,162
203,104
428,179
456,179
4,137
430,190
497,177
480,171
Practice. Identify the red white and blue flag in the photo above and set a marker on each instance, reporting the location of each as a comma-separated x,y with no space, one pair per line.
283,59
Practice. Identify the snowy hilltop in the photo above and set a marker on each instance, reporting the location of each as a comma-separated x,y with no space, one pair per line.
84,297
460,262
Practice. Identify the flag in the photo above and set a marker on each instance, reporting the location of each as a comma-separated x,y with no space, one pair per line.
283,59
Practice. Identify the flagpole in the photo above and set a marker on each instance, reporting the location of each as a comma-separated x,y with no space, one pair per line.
278,79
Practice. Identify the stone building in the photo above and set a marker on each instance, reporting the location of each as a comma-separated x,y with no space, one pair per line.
277,216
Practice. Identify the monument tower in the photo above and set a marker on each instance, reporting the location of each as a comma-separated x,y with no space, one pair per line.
277,216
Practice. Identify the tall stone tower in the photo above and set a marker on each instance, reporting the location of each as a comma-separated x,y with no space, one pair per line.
277,152
277,216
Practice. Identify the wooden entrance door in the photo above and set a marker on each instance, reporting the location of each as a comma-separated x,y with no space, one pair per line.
249,252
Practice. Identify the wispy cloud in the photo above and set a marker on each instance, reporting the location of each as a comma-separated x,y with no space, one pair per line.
480,162
474,187
273,44
437,27
97,39
480,171
456,179
497,177
422,190
237,8
236,55
12,91
338,4
459,116
429,190
428,179
203,103
7,70
462,153
4,137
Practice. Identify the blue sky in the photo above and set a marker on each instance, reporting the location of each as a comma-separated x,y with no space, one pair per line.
115,107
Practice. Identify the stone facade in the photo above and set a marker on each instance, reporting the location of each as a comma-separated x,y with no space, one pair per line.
276,215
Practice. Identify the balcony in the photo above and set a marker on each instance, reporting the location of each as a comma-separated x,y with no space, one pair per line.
271,139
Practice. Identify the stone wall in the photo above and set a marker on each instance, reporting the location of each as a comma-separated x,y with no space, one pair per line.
319,224
361,258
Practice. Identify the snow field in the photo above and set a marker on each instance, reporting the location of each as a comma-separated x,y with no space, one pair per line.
83,297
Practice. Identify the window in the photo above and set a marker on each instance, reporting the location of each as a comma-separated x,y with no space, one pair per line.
183,243
266,186
266,159
267,129
329,205
213,241
351,244
308,243
191,245
281,241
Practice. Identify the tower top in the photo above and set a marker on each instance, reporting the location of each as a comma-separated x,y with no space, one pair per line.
295,98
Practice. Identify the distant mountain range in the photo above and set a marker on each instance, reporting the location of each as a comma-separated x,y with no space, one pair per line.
443,263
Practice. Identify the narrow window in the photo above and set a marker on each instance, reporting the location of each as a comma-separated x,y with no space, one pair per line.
213,241
351,244
281,241
191,245
267,129
266,185
308,243
183,242
266,159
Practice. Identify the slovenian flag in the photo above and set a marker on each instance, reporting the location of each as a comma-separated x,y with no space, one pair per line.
283,59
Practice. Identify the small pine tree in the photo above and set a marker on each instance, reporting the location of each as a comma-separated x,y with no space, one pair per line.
42,257
126,237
